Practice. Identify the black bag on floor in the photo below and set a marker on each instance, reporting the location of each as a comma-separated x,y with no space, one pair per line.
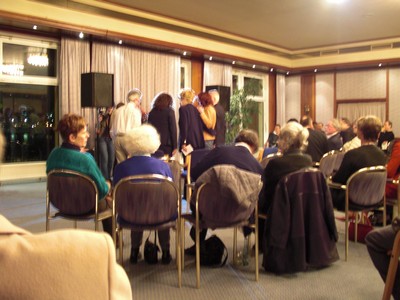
213,253
151,250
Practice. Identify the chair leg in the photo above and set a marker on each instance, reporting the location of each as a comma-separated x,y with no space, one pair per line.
235,255
197,257
121,250
178,254
256,233
346,236
182,241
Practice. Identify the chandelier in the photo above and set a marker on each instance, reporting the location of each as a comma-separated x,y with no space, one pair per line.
38,58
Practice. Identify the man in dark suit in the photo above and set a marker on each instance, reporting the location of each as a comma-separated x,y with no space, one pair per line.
333,133
317,141
220,126
239,155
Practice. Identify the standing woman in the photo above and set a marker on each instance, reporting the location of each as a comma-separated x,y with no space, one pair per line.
208,115
162,117
105,144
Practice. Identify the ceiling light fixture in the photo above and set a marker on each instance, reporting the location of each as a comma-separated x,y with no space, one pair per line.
34,27
254,66
380,65
315,70
271,70
210,58
120,42
184,53
287,73
38,57
234,62
81,35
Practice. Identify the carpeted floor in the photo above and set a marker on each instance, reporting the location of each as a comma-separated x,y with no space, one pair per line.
24,205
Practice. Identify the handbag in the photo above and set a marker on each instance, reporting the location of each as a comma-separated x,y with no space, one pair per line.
363,228
151,250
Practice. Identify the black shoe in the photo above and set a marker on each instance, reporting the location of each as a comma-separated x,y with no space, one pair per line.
191,251
166,257
134,256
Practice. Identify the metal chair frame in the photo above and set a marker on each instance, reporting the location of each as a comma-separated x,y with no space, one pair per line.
96,215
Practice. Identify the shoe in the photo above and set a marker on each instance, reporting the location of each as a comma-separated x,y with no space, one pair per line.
191,251
134,256
166,257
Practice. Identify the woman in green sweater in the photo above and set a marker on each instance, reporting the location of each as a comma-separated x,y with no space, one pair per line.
72,156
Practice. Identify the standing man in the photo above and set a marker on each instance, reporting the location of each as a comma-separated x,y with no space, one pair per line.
220,127
126,118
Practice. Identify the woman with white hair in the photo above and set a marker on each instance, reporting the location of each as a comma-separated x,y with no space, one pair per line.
139,143
292,142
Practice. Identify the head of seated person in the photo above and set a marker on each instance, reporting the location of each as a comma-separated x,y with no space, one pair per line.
73,130
248,137
141,141
368,129
293,138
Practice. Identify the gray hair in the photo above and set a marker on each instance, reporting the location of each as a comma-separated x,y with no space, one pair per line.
142,140
293,136
134,91
336,124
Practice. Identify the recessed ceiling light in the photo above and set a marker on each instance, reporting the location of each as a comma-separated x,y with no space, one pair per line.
380,65
210,58
287,73
254,66
120,42
315,70
234,62
34,27
271,70
184,53
81,35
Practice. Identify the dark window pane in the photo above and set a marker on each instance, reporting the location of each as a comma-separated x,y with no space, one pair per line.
27,120
19,60
256,85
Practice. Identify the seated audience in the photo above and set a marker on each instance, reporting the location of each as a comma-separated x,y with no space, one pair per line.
393,169
273,137
367,155
292,142
354,142
380,244
239,155
140,143
317,143
385,136
72,155
68,264
346,131
332,130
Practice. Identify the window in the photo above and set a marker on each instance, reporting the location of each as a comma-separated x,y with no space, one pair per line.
186,74
28,88
260,118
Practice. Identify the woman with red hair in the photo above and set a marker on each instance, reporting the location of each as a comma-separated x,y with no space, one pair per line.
208,115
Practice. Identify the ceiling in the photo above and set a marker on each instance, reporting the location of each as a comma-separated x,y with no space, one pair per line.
294,25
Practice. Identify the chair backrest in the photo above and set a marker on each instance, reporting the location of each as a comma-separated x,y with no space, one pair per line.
226,195
193,159
366,187
330,162
71,192
267,159
146,199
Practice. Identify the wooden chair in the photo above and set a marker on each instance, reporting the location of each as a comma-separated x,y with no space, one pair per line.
228,210
74,196
365,191
393,265
147,202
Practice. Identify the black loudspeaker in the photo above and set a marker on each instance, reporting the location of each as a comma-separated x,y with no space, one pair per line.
224,94
97,90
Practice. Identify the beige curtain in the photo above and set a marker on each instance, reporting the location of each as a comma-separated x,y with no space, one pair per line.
353,111
280,100
149,71
217,74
